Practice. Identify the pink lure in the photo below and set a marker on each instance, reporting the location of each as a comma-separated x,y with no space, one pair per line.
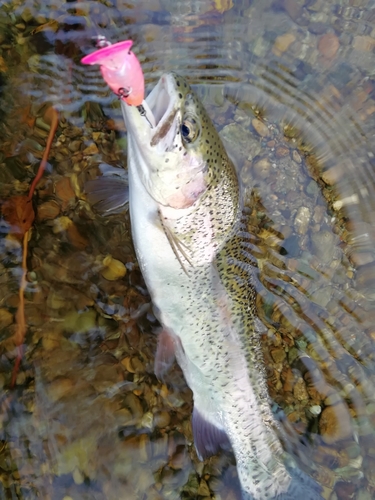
121,70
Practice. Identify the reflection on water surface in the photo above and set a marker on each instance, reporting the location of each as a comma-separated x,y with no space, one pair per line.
290,85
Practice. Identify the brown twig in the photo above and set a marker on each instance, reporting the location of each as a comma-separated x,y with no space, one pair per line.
20,315
43,163
21,327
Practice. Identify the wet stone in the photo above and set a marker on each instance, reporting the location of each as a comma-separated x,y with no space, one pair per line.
296,156
282,152
59,388
299,390
6,318
345,490
240,142
262,168
323,244
282,43
48,210
113,269
364,43
322,295
203,489
301,220
318,28
328,45
278,354
332,175
261,128
335,423
293,8
92,149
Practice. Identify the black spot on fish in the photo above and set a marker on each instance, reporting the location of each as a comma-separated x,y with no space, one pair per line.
177,83
166,160
180,96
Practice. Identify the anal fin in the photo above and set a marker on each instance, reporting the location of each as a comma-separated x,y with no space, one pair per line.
165,354
208,438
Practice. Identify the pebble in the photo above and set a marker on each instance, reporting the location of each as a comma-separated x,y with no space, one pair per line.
296,156
299,390
242,145
345,490
318,28
328,45
179,459
362,259
6,318
203,489
364,43
282,152
262,168
132,402
162,419
76,238
335,423
302,220
64,190
323,244
75,146
261,128
27,14
113,269
59,388
132,364
278,354
51,341
48,210
92,149
78,477
293,8
332,175
282,43
315,410
61,224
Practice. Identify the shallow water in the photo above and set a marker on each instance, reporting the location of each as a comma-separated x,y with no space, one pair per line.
291,88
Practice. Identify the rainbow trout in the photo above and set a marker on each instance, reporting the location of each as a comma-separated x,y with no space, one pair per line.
191,244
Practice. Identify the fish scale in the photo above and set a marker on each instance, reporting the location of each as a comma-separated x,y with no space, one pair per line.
190,236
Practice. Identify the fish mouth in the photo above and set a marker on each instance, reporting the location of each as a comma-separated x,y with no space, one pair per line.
162,105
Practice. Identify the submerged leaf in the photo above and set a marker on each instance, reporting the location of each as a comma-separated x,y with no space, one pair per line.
18,211
223,5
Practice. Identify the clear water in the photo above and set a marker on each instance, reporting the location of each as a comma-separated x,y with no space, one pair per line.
87,417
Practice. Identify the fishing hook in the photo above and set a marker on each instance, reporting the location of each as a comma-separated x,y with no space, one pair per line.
142,112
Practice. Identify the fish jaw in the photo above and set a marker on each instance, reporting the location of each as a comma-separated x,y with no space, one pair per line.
173,176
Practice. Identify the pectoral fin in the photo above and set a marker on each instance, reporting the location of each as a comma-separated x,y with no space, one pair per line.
179,248
109,193
208,438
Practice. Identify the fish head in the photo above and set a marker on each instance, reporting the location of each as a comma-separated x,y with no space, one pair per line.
175,157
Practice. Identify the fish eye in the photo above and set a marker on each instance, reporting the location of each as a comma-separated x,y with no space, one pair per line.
189,129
